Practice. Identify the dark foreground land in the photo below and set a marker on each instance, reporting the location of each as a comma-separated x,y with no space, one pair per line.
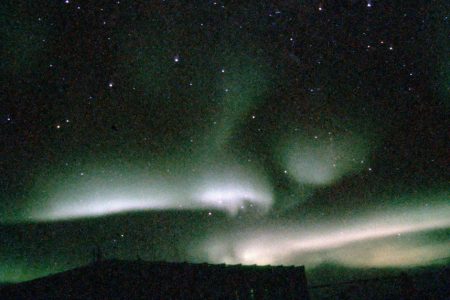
429,283
115,279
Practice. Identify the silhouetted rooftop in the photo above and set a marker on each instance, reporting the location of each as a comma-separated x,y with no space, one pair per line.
119,279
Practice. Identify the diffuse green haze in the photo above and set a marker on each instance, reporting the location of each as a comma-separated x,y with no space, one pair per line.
218,183
243,85
324,157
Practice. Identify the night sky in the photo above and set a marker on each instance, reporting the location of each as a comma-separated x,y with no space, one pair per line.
295,132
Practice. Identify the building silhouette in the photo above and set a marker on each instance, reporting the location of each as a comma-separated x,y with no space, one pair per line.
115,279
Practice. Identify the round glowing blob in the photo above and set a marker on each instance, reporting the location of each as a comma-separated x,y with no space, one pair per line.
323,159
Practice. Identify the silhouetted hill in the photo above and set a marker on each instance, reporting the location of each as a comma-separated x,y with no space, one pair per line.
338,282
116,279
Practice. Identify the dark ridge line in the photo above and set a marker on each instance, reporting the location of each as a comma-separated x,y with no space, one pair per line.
383,278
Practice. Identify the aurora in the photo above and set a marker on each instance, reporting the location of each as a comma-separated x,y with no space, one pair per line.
261,132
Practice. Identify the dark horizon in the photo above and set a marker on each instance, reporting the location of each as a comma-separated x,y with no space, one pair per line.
150,280
115,279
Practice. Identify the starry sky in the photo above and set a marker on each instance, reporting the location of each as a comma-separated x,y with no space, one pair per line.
296,132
